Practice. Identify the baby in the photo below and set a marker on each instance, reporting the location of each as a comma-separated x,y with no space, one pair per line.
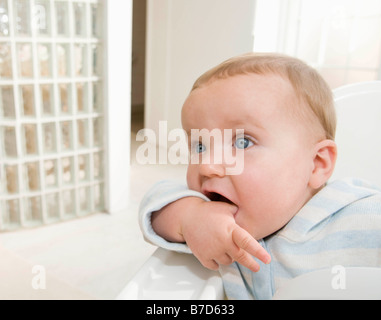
279,209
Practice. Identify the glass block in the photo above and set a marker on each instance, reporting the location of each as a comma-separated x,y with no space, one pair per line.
63,56
2,215
99,197
83,167
79,59
84,199
21,9
66,135
95,59
3,179
97,132
49,137
95,20
30,139
46,91
11,175
33,209
52,206
41,14
25,60
97,97
44,60
5,59
98,165
62,18
12,212
68,198
82,130
27,100
79,19
65,97
4,18
7,102
50,167
32,176
67,170
82,97
9,142
90,96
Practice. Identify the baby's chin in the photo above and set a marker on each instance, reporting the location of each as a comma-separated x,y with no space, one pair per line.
256,230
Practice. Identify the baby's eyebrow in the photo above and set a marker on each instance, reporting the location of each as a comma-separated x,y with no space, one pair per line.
241,123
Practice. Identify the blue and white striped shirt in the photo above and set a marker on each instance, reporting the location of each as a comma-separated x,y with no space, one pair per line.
340,225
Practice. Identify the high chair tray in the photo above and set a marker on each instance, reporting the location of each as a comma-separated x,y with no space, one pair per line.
169,275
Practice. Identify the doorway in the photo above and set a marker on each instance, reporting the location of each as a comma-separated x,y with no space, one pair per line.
138,67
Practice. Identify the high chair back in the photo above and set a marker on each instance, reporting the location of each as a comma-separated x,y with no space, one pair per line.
358,133
170,275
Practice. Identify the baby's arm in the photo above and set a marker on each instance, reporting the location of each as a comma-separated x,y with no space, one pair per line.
207,227
159,196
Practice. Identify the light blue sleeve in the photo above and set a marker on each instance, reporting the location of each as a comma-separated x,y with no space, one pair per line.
160,195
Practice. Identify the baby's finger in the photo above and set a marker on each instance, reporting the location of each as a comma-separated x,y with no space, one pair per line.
224,259
245,259
246,242
210,264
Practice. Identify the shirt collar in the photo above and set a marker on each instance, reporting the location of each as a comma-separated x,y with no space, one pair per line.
328,201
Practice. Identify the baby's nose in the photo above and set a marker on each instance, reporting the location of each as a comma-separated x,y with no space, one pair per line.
212,170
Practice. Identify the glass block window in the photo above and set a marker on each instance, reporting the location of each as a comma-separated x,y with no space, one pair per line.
51,116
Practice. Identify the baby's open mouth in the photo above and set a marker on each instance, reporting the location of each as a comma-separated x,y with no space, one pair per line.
214,196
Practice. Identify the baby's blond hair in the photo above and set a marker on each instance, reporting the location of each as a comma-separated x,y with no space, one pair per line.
308,85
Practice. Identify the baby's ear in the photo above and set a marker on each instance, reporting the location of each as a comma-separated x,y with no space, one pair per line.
324,162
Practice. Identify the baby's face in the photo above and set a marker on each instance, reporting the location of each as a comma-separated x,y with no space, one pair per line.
277,147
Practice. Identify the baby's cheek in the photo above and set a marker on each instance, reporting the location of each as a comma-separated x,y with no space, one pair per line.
193,178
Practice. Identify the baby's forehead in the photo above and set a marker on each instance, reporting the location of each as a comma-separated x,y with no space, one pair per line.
256,85
242,98
262,90
265,102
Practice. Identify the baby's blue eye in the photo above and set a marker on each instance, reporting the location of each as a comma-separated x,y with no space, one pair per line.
199,148
242,143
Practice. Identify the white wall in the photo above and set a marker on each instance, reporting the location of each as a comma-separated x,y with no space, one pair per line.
184,39
117,61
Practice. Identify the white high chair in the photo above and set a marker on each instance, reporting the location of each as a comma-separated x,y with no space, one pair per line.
358,133
169,275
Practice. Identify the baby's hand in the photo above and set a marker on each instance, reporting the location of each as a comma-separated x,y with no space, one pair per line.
214,237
